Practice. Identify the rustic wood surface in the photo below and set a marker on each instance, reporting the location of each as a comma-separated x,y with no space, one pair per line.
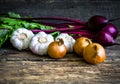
24,67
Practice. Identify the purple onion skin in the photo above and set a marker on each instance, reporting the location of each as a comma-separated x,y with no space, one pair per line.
111,29
104,38
97,22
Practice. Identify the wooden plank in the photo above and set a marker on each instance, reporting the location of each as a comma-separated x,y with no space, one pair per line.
58,72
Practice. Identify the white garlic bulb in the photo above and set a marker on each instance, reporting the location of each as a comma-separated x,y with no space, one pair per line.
21,38
40,42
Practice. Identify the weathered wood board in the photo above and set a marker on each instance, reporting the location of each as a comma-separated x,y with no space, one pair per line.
24,67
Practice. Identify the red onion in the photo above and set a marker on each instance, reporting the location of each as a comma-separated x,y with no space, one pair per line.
111,29
97,22
104,38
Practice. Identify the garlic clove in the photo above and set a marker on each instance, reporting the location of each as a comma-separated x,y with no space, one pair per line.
18,44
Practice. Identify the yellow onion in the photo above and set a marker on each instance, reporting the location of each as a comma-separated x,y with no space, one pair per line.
94,54
80,44
57,49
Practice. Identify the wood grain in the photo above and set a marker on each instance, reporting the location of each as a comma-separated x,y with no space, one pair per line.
58,72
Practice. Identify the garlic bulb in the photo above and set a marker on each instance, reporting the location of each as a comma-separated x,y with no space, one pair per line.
21,38
68,41
40,42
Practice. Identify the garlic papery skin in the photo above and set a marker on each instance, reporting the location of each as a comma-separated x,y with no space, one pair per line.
21,38
68,41
40,42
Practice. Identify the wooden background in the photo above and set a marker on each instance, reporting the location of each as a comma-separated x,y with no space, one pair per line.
23,67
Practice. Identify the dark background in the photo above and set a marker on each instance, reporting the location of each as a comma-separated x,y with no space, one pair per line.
77,9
